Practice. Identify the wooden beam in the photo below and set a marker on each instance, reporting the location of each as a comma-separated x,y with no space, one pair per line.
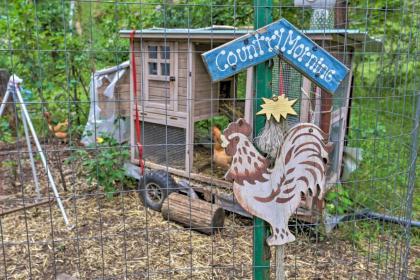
249,96
305,104
325,116
189,175
341,20
189,149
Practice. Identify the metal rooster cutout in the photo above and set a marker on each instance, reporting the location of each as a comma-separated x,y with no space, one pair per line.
273,194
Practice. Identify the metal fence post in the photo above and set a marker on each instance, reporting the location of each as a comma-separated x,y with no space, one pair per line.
411,187
261,253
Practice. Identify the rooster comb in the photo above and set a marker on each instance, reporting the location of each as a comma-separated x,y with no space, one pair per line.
240,126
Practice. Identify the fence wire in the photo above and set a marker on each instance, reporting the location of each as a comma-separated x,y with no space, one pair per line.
76,59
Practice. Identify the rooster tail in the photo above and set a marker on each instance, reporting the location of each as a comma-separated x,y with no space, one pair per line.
280,236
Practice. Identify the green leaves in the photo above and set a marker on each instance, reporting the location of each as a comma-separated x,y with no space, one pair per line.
338,200
103,163
5,131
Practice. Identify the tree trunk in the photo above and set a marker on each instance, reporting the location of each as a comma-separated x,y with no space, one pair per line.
195,213
4,79
8,111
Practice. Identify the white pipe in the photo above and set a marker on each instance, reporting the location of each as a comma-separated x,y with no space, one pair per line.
113,69
14,79
4,102
31,157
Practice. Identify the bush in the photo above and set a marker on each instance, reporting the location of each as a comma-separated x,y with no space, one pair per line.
103,163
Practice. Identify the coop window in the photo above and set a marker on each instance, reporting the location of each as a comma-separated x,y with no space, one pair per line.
165,69
165,52
153,68
153,50
159,61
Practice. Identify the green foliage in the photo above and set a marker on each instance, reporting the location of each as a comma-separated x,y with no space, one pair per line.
103,163
5,131
395,66
338,200
203,128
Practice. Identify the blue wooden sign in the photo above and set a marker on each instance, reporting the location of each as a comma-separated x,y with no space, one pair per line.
278,38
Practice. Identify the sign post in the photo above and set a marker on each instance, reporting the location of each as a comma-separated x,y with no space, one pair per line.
261,251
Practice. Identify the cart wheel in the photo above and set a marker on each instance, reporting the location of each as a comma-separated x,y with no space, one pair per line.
154,187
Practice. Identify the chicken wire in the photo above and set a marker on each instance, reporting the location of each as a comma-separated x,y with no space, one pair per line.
119,238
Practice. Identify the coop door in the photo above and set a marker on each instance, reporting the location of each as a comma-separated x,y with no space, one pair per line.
160,80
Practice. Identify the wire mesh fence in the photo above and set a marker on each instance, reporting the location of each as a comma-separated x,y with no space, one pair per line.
102,89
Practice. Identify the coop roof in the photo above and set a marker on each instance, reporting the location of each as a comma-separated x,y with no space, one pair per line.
360,40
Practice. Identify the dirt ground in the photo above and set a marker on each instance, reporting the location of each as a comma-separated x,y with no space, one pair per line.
120,239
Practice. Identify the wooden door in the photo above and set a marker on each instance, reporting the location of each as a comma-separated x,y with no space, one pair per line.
159,75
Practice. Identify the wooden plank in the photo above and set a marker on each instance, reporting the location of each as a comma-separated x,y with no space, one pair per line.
326,105
182,91
174,71
183,60
190,175
160,111
159,84
249,96
341,16
305,105
183,82
158,119
278,38
189,156
182,73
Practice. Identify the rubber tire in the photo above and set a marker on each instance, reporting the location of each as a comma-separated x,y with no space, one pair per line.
158,178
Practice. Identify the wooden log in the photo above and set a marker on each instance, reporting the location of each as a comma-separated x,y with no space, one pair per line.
198,214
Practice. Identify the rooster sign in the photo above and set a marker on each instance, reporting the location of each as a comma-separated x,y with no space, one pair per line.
273,194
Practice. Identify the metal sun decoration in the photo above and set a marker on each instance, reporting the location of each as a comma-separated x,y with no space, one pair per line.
277,106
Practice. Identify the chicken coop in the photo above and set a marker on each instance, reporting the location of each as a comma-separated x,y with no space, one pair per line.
175,92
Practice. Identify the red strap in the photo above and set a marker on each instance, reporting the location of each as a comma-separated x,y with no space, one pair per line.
281,85
137,121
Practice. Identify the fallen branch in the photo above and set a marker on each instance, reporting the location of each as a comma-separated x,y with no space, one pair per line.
3,213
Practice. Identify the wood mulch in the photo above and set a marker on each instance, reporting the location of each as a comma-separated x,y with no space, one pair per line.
120,239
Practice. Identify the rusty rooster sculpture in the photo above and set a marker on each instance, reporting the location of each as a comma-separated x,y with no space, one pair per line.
273,194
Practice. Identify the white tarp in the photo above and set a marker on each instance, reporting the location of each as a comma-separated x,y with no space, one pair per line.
106,124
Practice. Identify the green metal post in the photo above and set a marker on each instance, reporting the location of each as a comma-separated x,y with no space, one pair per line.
261,262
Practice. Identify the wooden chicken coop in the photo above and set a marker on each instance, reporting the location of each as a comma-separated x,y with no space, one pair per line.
174,91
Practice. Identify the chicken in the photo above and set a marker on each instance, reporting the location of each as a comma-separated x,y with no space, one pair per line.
220,157
60,129
274,194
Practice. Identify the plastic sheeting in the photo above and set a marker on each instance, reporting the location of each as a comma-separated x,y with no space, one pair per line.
109,123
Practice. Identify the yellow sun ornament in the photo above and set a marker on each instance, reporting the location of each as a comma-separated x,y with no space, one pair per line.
278,106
